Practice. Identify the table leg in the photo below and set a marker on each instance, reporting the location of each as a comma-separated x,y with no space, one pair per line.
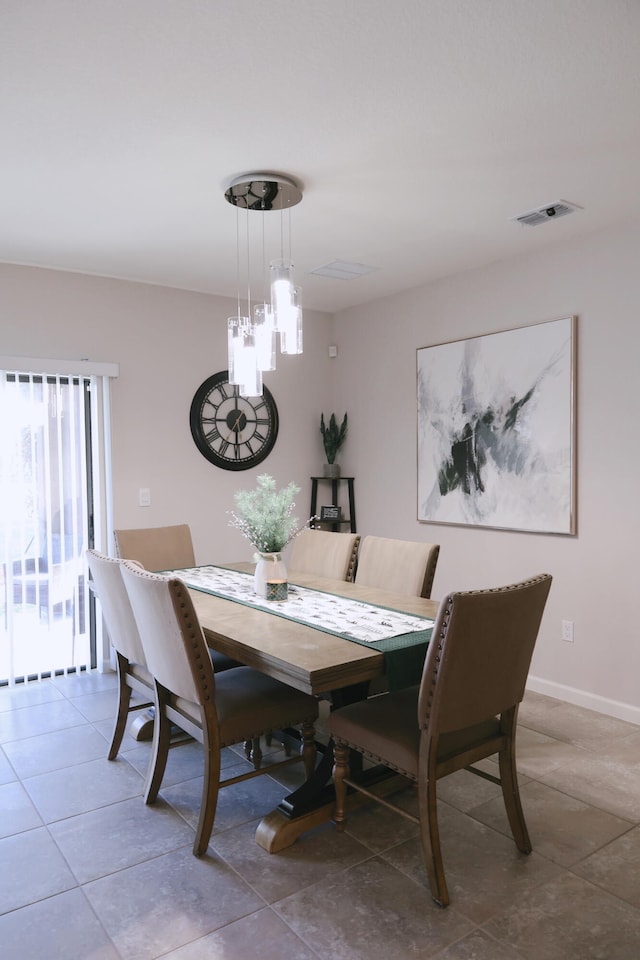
318,789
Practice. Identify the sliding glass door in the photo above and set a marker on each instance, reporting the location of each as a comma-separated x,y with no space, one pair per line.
46,524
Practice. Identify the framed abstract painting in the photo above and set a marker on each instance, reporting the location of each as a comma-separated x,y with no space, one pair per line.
496,430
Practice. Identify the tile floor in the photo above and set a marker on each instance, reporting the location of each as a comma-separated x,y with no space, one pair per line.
89,873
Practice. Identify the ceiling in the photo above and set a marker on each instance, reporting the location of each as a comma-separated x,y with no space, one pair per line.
416,130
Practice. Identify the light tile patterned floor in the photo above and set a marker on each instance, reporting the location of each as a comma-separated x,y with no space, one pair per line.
90,873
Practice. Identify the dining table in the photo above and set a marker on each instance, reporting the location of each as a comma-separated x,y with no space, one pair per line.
317,657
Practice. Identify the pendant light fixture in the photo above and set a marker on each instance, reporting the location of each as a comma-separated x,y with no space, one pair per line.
252,334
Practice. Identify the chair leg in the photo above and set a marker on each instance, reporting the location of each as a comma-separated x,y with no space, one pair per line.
282,737
341,754
209,802
256,753
253,752
430,835
124,699
511,796
159,747
309,751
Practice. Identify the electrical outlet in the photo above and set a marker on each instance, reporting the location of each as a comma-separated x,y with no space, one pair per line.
567,631
144,497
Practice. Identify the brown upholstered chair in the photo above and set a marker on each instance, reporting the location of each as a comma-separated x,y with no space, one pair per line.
133,674
324,554
402,566
465,709
165,548
218,710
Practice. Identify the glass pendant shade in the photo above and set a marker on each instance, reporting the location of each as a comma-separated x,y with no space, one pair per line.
265,334
291,329
249,376
236,326
281,291
243,357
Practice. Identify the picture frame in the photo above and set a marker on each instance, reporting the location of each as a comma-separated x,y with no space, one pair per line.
332,513
496,425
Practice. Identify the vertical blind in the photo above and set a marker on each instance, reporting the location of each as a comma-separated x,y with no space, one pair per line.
53,486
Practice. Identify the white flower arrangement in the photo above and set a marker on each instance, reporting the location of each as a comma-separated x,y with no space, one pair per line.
264,517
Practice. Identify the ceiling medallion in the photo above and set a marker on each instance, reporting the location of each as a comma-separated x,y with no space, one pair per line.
263,191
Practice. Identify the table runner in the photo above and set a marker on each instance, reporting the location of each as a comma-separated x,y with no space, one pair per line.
402,637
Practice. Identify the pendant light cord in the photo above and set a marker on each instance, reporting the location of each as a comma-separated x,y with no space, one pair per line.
248,269
238,257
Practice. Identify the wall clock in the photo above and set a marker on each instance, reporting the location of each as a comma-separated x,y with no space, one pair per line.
231,431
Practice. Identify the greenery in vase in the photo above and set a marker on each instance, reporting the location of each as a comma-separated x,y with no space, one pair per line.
332,435
264,515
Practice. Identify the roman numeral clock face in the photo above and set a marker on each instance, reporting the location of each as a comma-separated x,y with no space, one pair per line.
231,431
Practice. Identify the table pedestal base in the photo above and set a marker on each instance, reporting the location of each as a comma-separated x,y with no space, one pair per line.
277,831
142,726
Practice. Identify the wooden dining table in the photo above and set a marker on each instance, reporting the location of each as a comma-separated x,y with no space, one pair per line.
309,659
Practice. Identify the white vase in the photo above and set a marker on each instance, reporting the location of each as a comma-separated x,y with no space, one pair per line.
270,566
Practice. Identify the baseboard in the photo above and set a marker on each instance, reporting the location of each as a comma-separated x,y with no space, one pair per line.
581,698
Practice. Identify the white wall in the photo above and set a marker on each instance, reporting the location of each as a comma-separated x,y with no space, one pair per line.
596,572
167,342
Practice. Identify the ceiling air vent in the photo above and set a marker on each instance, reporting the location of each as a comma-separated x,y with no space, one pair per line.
550,211
343,270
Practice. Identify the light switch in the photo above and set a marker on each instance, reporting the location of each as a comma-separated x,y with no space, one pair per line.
144,497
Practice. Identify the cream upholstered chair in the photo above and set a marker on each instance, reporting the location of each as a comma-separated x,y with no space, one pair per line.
465,709
133,674
218,710
165,548
157,548
324,554
402,566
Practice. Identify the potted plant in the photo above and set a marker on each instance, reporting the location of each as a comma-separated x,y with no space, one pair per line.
333,436
264,517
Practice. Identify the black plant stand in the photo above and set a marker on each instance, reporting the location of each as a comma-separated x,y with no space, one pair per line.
350,520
